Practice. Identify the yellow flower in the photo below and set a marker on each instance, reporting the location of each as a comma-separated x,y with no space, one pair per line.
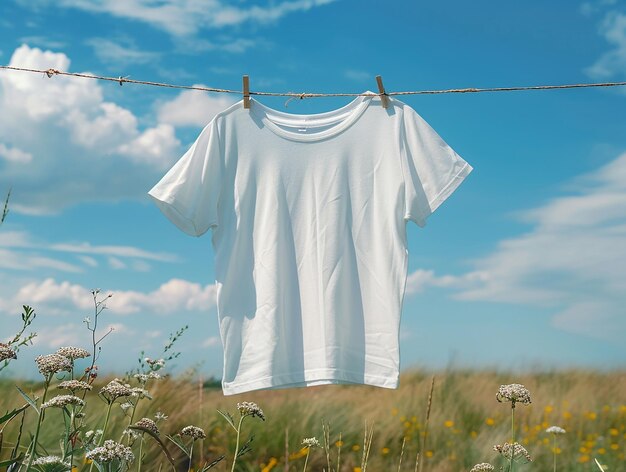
601,451
385,450
614,446
473,434
590,415
584,458
613,431
339,443
356,469
567,415
548,409
270,465
394,411
356,447
429,453
448,424
490,421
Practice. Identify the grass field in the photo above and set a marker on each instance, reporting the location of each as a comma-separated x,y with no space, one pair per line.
465,422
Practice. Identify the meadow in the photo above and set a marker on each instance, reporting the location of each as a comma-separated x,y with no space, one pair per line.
464,423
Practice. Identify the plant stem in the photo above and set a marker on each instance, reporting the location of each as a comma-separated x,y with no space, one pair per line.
308,450
104,429
554,452
232,469
512,436
140,452
190,455
39,419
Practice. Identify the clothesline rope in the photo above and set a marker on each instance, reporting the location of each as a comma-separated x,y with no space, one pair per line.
122,80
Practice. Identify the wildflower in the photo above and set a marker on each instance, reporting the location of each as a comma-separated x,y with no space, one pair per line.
110,451
140,393
63,400
482,467
131,433
95,434
115,389
6,352
193,431
74,385
311,442
73,353
125,406
148,424
155,364
53,363
555,430
515,449
249,408
143,378
158,416
87,320
50,461
514,393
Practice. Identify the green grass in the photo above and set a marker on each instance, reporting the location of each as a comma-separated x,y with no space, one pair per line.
465,421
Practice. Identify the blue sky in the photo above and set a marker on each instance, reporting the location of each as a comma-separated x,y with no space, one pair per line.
524,266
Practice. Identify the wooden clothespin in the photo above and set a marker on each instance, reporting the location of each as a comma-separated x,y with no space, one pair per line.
246,91
384,98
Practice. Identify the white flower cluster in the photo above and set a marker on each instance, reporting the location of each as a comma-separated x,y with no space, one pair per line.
6,352
555,430
62,400
143,378
148,424
115,389
74,385
250,408
140,393
311,442
158,416
193,431
155,364
110,451
51,461
516,449
53,363
483,466
514,393
73,353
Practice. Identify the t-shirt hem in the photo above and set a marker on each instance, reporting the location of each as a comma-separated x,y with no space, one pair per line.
310,378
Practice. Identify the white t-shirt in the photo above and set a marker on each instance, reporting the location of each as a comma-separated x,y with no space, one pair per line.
308,216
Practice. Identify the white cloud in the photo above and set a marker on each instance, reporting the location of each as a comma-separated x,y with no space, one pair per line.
572,261
87,148
115,263
212,342
187,17
65,298
24,253
53,337
192,108
613,62
14,154
154,146
90,261
115,54
30,262
357,75
170,298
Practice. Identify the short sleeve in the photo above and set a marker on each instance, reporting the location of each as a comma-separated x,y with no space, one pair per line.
188,194
432,169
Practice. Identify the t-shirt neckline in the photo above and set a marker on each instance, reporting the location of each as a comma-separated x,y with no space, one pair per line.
345,116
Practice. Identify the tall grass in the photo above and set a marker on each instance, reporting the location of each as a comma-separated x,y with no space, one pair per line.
465,422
